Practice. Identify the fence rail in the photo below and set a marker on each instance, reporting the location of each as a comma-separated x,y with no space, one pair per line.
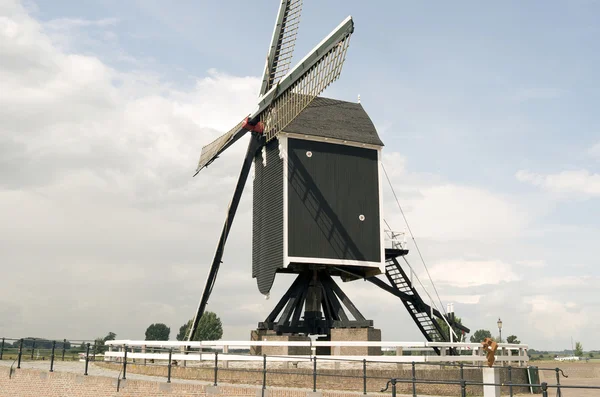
318,368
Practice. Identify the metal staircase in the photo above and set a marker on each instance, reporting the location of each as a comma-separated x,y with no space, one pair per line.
424,315
421,313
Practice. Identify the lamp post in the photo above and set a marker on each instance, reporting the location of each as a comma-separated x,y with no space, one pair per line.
500,327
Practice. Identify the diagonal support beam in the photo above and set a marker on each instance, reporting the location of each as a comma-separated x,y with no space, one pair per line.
253,145
343,298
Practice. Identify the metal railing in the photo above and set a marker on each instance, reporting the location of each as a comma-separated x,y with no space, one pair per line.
367,374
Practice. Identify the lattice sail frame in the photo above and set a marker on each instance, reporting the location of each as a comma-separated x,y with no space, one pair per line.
289,105
286,42
210,151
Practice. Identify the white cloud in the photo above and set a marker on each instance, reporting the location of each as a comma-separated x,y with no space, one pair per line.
95,183
566,281
70,23
450,212
578,182
466,299
595,150
471,273
546,313
535,263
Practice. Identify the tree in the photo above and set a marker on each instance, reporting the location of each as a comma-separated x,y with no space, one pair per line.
183,330
480,335
209,328
445,330
110,336
513,339
99,343
158,331
578,349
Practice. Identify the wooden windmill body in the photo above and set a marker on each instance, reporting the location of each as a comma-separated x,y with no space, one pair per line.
317,194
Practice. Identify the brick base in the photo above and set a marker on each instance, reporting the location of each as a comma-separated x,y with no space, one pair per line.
264,335
356,335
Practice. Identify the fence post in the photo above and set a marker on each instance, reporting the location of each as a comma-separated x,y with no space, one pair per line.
558,392
264,383
64,349
32,349
169,371
315,374
216,366
510,386
463,388
52,356
364,376
87,357
393,387
20,353
414,378
2,349
124,362
544,389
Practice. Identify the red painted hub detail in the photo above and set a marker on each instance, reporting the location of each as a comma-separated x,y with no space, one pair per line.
258,127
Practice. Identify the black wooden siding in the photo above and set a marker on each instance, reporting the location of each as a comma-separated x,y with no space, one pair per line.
267,217
327,193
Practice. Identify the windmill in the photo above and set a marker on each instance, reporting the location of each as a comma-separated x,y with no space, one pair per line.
316,193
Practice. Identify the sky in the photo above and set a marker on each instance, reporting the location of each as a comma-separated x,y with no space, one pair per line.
488,113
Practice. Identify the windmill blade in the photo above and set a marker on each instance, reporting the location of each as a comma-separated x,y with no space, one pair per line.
283,42
211,151
292,94
322,66
255,143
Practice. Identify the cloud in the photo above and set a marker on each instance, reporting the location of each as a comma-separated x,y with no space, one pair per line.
470,273
95,183
70,23
595,150
447,211
535,264
577,182
545,310
466,299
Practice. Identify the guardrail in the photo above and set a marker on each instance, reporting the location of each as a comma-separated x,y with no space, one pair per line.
215,356
471,352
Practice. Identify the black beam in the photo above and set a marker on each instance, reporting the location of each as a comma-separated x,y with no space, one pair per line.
281,304
381,284
254,144
344,298
337,306
298,308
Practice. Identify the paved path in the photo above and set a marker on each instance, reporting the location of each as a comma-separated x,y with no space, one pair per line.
78,367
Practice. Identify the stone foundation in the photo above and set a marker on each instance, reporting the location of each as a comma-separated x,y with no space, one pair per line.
266,335
355,335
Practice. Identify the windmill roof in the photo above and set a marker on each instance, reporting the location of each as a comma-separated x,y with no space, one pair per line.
331,118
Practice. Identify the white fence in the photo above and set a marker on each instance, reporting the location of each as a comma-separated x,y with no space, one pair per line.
507,354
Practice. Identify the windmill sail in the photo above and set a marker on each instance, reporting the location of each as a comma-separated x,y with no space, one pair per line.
282,103
211,151
283,43
321,67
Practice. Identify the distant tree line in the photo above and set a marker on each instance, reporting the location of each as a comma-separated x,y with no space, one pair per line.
209,328
41,343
